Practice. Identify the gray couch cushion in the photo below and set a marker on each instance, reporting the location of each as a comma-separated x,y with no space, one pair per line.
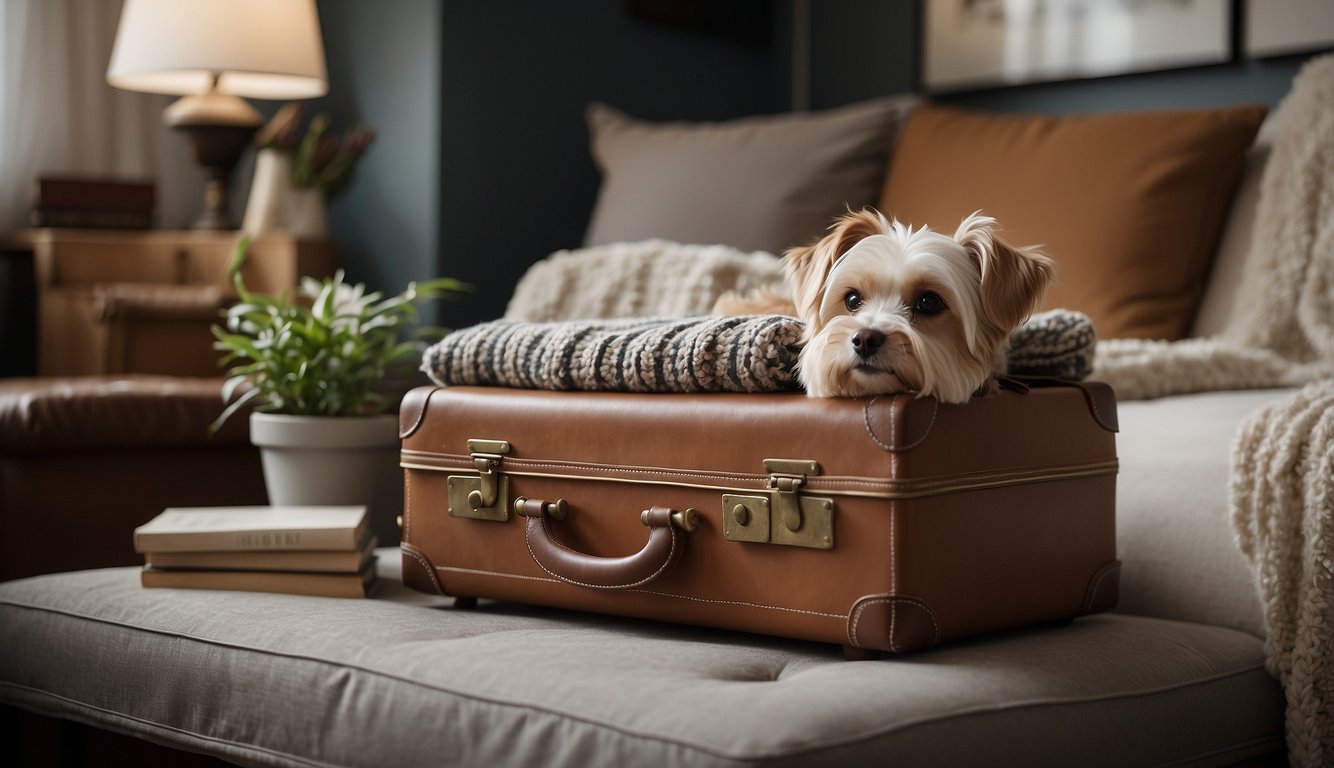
403,680
762,183
1174,533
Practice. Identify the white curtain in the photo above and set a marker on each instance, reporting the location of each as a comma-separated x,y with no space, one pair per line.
59,116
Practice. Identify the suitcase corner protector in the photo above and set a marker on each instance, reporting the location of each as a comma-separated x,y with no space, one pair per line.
894,623
411,410
1104,589
419,571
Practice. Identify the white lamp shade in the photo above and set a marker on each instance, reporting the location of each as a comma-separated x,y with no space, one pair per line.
263,49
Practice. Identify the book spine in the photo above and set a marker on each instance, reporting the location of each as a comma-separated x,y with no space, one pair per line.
90,194
274,560
87,219
324,585
219,541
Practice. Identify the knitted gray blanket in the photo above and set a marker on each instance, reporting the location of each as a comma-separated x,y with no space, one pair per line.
698,354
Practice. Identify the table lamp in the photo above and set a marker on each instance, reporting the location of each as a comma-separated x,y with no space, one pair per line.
212,53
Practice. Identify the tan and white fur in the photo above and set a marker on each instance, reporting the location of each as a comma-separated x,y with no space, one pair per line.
892,309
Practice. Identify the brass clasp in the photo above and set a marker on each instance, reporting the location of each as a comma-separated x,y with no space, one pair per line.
782,515
786,501
484,496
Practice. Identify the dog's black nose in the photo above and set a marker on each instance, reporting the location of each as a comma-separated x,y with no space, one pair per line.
867,341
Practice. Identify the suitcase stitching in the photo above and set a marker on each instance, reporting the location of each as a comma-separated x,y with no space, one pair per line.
534,464
429,570
893,580
739,476
407,506
870,430
824,484
478,572
741,602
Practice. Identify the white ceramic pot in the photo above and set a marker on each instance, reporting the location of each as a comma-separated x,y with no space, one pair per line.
325,460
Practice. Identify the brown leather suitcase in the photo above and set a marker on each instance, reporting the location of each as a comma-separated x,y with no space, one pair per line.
880,524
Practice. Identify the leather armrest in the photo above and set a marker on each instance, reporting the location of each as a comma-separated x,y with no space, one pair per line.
93,412
151,301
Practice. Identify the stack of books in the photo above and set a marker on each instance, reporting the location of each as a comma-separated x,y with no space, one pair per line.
101,203
327,551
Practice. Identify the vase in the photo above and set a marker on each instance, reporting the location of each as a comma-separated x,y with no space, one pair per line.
276,206
332,461
304,213
273,179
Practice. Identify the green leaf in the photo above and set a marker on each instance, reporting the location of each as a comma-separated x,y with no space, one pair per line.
234,269
327,356
323,307
230,386
441,287
236,405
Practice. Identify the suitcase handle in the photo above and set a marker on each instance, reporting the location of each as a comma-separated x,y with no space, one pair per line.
666,540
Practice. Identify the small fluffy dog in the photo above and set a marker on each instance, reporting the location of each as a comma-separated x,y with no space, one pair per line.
892,309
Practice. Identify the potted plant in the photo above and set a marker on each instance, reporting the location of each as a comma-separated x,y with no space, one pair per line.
314,371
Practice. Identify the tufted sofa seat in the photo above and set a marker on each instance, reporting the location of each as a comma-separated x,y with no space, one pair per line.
1175,677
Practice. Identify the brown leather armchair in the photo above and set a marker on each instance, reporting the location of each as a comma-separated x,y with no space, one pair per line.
84,460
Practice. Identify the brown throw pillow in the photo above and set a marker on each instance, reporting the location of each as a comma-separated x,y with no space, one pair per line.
758,183
1130,205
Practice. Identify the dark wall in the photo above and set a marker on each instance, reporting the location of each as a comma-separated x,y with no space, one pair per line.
1261,81
861,49
483,167
517,179
384,70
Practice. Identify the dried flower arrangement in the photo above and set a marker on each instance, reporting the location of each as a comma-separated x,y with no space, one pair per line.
320,158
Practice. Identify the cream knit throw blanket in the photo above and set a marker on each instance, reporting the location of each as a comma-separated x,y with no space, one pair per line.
1282,334
653,278
1283,512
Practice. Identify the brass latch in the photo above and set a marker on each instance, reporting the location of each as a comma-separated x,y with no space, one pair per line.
483,496
783,515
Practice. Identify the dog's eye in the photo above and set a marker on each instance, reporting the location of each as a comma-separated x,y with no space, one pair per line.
928,304
852,300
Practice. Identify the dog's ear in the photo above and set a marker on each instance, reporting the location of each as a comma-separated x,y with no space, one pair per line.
807,267
1013,279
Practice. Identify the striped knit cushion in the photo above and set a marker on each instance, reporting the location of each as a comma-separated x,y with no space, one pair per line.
697,354
1056,343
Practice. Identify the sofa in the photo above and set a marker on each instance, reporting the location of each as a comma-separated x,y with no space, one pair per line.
1176,675
127,445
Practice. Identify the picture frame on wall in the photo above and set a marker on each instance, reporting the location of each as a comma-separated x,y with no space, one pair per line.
1283,27
971,44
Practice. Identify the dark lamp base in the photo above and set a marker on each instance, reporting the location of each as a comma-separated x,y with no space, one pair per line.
217,148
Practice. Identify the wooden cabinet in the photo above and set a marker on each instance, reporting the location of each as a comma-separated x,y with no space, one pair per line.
142,302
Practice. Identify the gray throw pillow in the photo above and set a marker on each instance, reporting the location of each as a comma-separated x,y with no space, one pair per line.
756,183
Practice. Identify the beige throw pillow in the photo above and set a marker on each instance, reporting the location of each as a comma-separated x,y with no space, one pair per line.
756,183
1234,245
